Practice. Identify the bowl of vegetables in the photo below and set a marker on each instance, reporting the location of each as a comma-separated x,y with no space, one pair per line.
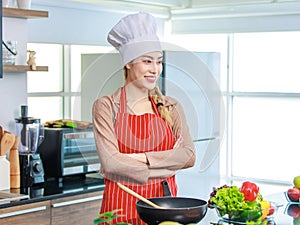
241,205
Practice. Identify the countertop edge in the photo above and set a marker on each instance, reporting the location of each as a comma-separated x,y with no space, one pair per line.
51,197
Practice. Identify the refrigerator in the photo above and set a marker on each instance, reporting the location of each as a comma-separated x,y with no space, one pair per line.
190,77
193,78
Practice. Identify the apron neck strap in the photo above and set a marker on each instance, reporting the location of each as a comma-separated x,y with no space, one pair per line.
154,106
123,100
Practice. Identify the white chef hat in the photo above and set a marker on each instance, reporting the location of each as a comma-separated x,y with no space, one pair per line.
134,35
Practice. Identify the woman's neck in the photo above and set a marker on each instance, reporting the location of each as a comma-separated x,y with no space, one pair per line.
135,94
138,100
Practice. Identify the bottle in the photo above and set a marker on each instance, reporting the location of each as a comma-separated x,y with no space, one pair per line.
9,52
4,173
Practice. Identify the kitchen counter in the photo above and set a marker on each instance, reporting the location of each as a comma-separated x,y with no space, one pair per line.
77,185
51,189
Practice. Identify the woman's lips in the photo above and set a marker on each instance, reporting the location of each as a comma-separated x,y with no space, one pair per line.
151,79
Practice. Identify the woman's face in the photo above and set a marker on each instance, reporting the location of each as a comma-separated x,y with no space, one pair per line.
144,71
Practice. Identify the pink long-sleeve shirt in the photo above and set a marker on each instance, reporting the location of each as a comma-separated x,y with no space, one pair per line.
160,164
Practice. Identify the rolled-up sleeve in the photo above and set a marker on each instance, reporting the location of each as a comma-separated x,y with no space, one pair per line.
114,164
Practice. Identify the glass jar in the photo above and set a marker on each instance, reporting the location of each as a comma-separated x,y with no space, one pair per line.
9,52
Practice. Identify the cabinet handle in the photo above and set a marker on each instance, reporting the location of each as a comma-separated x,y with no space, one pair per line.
89,199
20,212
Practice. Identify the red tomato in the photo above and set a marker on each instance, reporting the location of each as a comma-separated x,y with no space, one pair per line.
271,210
294,194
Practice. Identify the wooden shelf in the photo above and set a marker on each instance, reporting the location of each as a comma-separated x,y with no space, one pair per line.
23,13
23,68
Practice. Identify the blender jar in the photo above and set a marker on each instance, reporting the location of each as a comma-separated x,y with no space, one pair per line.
30,130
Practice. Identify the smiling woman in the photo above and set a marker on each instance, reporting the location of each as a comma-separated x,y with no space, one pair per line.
139,150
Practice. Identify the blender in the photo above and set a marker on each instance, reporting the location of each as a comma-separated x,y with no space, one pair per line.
31,133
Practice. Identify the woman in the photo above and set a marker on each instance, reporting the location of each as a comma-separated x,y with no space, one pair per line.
142,136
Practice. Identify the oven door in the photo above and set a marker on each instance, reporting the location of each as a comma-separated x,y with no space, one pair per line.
79,153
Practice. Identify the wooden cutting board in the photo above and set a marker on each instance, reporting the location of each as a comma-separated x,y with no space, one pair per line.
7,142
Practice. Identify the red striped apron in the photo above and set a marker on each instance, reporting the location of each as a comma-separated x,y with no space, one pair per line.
136,134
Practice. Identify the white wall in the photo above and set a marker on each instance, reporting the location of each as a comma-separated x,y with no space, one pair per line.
13,85
241,24
263,17
64,25
76,26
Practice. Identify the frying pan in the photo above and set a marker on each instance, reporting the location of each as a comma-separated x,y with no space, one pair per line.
178,209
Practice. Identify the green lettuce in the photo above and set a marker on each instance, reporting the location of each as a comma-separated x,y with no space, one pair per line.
230,201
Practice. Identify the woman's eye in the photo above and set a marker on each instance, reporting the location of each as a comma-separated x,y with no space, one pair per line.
147,61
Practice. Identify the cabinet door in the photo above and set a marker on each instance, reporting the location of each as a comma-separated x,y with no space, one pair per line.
28,214
76,210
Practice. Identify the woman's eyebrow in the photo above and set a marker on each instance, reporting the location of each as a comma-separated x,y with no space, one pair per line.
151,57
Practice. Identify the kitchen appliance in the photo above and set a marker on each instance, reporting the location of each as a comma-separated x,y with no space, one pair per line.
30,131
68,151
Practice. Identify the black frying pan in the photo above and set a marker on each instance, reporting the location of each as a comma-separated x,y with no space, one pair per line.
178,209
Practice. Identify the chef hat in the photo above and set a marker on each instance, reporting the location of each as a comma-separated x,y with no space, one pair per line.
134,35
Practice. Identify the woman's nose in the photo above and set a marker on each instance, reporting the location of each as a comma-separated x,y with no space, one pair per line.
155,68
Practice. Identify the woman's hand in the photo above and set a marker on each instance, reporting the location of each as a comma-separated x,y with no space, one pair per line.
178,142
139,157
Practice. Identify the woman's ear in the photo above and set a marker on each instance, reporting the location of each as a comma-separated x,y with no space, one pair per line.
127,66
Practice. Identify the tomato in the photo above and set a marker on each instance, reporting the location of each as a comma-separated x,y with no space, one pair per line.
271,210
250,191
294,194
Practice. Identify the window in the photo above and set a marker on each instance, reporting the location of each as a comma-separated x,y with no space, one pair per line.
266,62
265,99
260,81
55,94
46,89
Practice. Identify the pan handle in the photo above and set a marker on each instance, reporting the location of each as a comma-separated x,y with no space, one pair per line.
166,188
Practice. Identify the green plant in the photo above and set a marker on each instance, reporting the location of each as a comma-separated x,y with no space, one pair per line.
108,217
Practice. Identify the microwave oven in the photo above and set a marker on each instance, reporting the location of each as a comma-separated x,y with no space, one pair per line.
68,151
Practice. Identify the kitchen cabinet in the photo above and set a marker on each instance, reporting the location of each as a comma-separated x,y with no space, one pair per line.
75,201
76,210
23,14
28,214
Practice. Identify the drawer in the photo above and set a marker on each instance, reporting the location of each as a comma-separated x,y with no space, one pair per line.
76,210
28,214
